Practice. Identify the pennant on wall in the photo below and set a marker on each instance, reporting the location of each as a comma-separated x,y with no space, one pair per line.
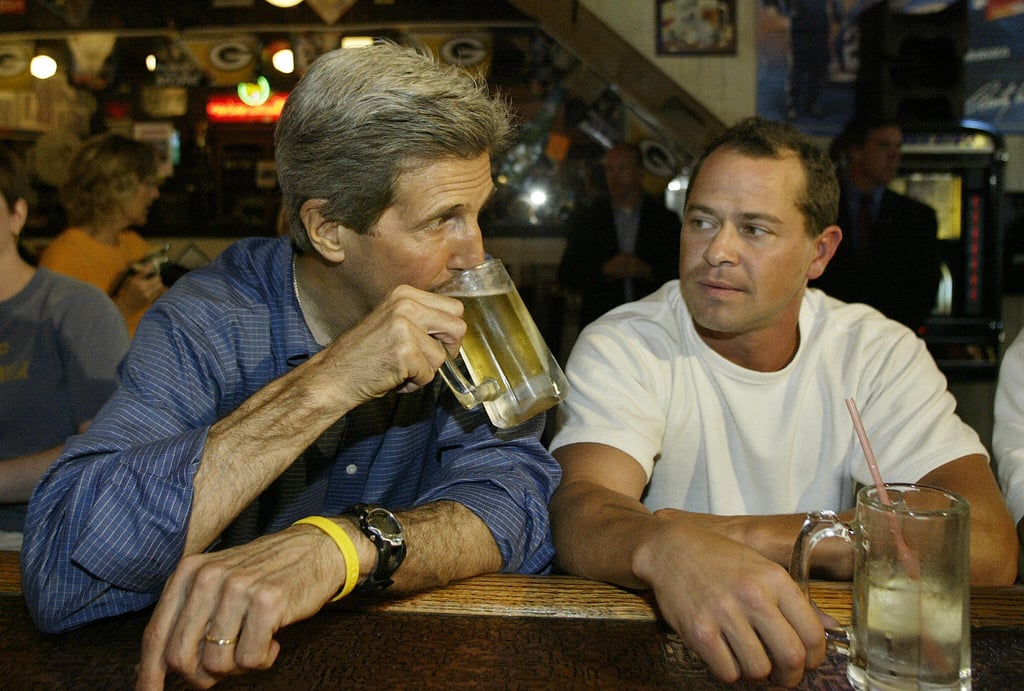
226,60
175,66
331,10
73,12
90,51
14,61
470,50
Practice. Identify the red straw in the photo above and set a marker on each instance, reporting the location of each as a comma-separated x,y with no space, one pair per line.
907,557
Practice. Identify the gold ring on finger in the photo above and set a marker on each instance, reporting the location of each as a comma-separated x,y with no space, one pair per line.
220,641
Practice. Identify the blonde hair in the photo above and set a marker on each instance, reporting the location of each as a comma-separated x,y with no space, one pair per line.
103,174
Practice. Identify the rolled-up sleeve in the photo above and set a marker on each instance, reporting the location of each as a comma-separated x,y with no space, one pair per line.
506,477
106,523
103,534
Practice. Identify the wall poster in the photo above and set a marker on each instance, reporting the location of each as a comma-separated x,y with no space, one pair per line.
696,27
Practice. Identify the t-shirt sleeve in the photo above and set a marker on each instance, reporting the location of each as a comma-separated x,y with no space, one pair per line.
1008,428
616,395
909,413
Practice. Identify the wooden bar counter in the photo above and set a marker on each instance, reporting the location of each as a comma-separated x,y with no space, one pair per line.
489,632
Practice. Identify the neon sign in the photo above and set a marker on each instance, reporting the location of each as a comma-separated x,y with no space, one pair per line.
233,109
254,93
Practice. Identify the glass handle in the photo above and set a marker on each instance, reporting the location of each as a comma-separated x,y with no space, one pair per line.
818,526
838,640
468,395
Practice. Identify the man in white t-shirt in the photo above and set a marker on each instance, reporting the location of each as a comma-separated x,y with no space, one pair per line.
707,418
1008,429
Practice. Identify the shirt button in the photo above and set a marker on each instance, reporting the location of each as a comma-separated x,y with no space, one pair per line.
351,469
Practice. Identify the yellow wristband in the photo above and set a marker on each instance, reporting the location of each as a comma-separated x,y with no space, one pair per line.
347,547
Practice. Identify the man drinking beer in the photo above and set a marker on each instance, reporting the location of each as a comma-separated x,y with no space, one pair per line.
293,382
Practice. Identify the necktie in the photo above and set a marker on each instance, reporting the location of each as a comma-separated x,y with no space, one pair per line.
865,224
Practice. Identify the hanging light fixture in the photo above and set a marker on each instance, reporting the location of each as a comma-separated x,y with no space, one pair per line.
284,3
281,56
43,67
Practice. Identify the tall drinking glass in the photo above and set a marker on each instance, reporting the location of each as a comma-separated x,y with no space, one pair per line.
513,373
911,587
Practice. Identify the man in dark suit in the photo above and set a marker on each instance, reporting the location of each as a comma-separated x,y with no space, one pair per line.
889,257
623,246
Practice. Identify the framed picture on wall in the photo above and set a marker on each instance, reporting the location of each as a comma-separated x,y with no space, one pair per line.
696,27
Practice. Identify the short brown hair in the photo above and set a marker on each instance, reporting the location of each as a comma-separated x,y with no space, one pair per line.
759,138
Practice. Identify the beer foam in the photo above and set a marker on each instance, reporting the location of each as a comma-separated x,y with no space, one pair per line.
478,293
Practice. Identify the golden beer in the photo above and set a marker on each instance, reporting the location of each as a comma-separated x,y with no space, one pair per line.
502,343
513,373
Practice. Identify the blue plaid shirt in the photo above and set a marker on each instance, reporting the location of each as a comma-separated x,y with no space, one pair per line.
106,525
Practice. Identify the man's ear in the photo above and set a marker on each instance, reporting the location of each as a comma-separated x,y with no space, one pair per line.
19,214
825,246
325,235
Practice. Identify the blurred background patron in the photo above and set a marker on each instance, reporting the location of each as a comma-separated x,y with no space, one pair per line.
620,247
889,257
111,183
60,343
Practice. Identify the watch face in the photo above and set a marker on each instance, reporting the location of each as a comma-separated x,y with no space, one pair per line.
385,523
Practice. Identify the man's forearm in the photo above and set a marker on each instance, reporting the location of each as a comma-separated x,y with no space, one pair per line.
445,542
993,542
597,531
994,545
774,537
246,451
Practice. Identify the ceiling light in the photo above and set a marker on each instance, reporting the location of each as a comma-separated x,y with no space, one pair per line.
284,3
356,41
283,60
43,67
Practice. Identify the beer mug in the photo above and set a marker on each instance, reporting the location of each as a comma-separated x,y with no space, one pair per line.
911,587
513,373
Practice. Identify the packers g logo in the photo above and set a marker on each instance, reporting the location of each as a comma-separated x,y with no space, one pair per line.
658,161
464,51
232,56
13,60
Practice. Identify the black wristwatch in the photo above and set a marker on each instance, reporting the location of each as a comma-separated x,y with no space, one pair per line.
385,531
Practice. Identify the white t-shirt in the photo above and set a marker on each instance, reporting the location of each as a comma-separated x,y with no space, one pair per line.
717,438
1008,430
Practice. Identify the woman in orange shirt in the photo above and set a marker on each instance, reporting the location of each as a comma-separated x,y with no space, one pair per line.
111,183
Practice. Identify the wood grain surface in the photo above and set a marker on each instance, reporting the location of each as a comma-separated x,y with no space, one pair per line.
489,632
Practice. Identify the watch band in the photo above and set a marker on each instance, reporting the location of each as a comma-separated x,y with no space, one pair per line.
385,531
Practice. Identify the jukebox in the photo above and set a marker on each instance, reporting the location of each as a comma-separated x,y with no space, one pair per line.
958,170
